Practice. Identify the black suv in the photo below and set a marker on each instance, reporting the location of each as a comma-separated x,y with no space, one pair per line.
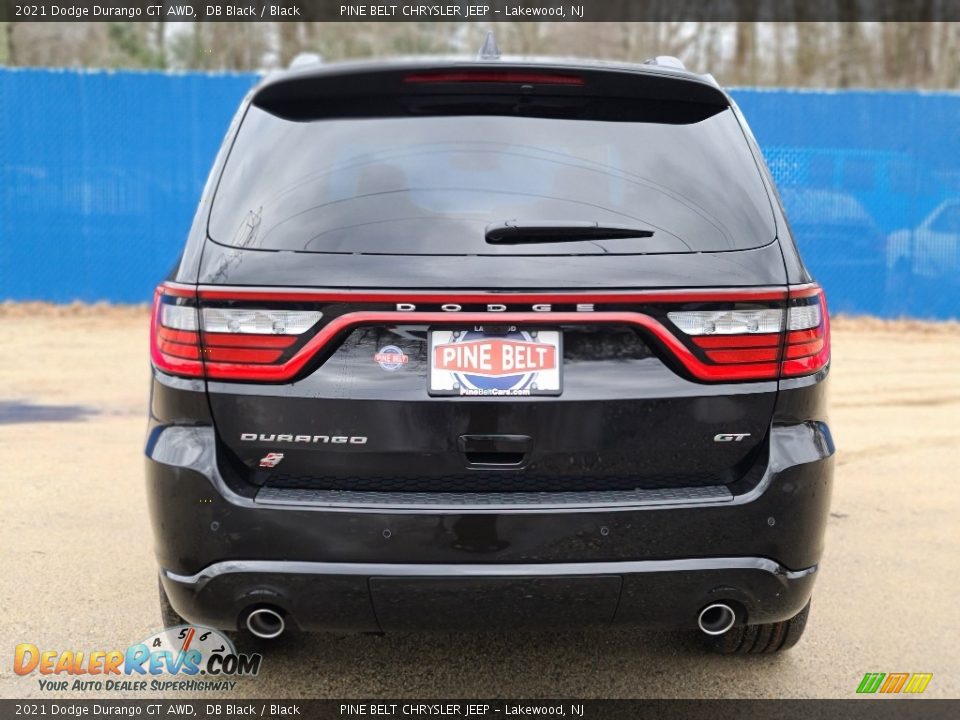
488,343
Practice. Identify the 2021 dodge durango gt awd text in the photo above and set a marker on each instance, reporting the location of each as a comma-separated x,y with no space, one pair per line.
459,344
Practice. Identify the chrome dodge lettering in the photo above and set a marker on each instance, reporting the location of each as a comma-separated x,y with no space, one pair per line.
498,307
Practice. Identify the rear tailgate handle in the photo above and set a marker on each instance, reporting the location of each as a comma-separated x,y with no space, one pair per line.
487,451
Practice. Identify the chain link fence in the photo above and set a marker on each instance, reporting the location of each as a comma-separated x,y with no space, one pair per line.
101,172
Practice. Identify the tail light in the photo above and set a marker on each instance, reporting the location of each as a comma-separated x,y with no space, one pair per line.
742,344
175,333
226,343
273,336
236,337
807,340
762,342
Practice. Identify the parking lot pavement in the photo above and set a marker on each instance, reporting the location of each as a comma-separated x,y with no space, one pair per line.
78,571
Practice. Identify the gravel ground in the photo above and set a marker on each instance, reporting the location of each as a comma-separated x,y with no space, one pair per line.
79,571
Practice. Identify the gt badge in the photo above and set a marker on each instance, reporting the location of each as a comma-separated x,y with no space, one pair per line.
730,437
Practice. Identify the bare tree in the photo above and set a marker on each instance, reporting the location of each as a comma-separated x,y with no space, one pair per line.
823,54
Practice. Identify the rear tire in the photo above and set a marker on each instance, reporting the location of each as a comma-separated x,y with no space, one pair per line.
759,639
169,616
241,638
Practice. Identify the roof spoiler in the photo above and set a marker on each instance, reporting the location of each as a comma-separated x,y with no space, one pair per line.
316,91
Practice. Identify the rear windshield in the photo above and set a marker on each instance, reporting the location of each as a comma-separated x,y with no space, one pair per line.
434,185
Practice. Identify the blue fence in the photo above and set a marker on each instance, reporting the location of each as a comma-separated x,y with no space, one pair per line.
101,172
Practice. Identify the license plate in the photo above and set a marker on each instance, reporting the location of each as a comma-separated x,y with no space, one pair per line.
487,361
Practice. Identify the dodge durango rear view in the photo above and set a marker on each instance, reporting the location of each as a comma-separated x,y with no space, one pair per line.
493,343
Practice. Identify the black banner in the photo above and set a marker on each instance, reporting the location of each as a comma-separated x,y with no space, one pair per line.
480,10
458,709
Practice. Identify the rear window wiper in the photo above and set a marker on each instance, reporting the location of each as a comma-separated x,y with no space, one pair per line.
518,232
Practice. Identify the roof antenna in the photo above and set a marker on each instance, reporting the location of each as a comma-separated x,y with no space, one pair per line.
489,50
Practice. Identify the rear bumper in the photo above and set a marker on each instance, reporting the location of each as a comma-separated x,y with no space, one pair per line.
398,597
650,559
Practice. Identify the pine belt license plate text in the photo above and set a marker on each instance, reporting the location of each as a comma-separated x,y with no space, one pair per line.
502,361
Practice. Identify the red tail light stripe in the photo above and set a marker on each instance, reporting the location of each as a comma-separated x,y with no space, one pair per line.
795,337
190,352
804,349
184,337
726,342
177,366
805,291
807,365
235,356
744,356
250,341
179,290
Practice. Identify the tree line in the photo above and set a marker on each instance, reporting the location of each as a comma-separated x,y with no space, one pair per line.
801,54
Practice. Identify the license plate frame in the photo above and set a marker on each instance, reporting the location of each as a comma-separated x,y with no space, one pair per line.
527,382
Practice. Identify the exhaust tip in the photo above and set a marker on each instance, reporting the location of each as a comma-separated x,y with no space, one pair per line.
265,623
716,619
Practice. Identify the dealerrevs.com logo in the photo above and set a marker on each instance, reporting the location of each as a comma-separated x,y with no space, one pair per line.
181,658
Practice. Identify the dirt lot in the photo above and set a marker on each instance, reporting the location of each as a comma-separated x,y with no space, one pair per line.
78,571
